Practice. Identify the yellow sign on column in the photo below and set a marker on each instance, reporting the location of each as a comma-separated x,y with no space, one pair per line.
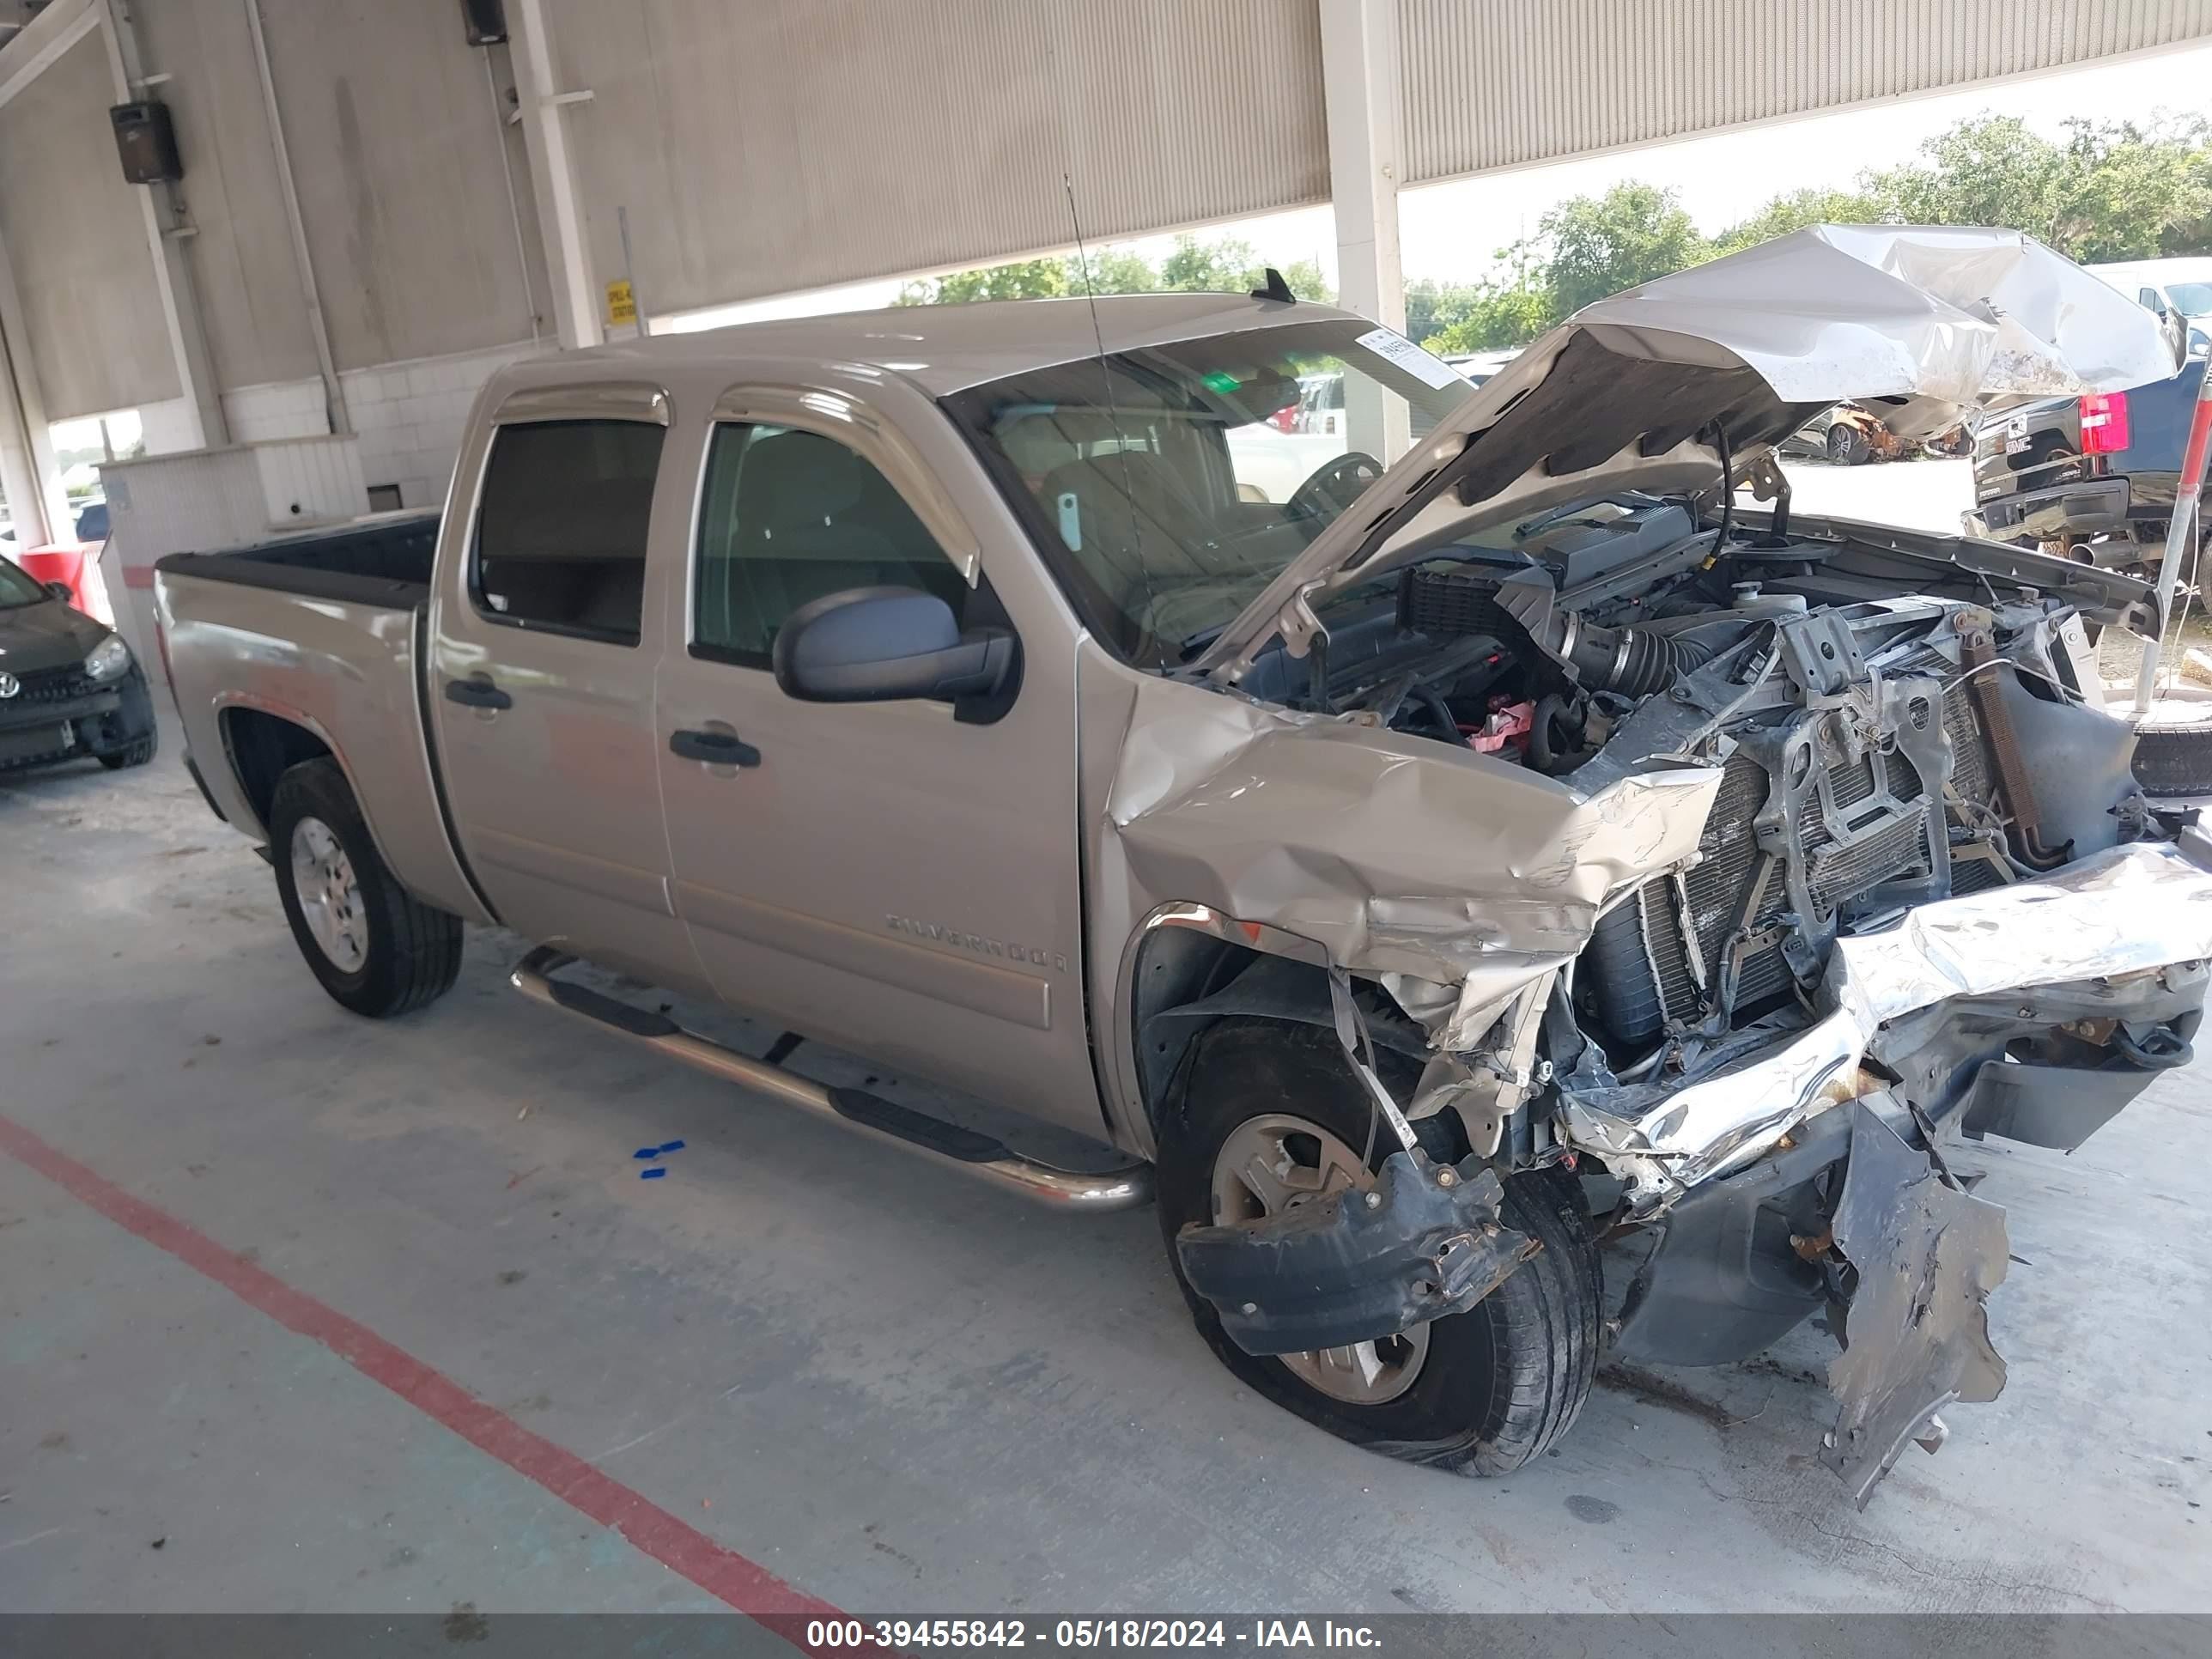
622,304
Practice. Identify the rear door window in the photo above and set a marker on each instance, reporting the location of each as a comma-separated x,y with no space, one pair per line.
561,534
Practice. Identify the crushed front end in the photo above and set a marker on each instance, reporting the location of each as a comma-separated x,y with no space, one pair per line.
1819,877
1929,901
1743,866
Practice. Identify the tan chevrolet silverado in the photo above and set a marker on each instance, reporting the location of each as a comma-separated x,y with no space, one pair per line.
1511,839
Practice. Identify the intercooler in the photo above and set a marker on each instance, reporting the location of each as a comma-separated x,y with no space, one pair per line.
1644,972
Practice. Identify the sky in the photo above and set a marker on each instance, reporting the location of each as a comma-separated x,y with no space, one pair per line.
1452,232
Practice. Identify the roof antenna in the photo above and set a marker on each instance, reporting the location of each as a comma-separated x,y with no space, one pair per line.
1113,414
1275,289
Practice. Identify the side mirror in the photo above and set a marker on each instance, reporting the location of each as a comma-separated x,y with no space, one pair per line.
889,645
62,591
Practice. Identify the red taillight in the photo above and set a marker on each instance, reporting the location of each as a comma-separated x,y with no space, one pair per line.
2104,422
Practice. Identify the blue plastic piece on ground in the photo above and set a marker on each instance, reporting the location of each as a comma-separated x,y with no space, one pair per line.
673,1147
653,1174
646,1152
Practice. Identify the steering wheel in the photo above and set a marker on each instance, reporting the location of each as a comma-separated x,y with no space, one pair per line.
1334,485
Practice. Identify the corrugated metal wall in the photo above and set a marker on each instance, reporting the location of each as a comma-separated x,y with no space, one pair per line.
249,292
396,145
781,144
793,143
1500,83
76,240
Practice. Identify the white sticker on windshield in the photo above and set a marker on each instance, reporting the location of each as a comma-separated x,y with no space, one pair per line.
1428,368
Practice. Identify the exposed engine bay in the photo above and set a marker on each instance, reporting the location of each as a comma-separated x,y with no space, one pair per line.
1754,1019
1878,752
1773,861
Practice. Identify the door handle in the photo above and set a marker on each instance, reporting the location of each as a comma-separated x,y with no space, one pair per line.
715,748
477,693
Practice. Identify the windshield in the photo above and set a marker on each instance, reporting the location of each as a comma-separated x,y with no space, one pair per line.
18,587
1168,485
2189,299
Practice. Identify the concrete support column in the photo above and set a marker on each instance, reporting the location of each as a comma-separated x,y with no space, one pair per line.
168,230
1360,88
552,176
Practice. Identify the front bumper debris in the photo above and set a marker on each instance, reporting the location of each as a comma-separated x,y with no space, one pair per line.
2133,910
1928,1253
1424,1241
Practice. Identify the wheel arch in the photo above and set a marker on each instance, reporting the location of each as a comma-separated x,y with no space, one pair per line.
1189,966
263,740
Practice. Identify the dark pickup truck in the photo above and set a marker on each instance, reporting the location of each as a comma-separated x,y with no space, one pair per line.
2091,477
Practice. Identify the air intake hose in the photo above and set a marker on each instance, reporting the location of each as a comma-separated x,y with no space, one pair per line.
1632,661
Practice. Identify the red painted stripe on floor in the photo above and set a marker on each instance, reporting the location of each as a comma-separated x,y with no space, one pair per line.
745,1584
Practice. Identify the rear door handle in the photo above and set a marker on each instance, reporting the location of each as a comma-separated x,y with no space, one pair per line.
477,693
716,748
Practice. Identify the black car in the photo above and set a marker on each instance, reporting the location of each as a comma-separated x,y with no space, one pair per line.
68,686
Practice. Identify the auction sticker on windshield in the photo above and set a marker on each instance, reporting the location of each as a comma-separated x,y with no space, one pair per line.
1388,343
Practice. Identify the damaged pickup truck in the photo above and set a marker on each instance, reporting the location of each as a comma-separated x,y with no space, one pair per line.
1508,844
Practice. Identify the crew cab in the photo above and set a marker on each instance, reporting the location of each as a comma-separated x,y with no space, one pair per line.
1508,842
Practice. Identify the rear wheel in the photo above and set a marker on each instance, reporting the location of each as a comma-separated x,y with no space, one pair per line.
1272,1115
377,949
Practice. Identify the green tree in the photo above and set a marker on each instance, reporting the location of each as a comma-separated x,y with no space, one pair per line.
1432,307
1029,279
1797,208
1502,316
1196,267
2110,190
1113,271
1600,245
1305,280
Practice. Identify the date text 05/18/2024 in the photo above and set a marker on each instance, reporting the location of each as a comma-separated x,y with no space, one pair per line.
904,1634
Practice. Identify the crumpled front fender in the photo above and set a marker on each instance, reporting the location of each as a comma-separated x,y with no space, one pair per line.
1395,854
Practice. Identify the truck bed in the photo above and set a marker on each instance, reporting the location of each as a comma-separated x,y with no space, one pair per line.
385,560
309,643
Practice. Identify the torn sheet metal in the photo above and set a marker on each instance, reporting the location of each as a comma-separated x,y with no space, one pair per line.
2140,906
1396,854
1939,322
1928,1255
1356,1267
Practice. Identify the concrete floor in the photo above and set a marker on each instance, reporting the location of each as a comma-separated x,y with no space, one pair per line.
899,1392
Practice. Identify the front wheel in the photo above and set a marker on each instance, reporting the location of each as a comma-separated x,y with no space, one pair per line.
377,949
1273,1113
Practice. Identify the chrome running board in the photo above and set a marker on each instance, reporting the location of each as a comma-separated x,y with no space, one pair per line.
968,1150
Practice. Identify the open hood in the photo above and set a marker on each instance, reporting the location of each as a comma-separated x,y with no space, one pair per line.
1635,391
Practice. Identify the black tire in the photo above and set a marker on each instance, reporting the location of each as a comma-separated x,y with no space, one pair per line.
2174,749
1501,1381
137,755
414,950
1847,445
